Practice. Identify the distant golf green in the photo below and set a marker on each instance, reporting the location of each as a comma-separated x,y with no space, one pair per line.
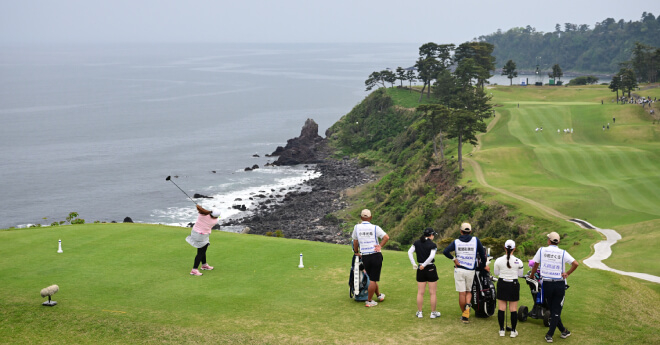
130,283
607,176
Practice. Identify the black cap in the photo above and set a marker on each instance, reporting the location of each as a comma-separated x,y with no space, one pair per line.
429,231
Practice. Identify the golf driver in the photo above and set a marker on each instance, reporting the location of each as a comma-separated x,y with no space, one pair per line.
169,178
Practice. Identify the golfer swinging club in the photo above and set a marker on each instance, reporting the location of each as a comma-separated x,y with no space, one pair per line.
365,238
199,237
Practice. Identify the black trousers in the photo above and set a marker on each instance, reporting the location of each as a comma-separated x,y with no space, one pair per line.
554,292
201,256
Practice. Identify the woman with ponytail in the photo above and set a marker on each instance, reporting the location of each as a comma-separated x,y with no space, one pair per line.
427,274
508,268
199,237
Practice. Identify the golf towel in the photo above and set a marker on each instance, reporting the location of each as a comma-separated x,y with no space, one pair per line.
197,240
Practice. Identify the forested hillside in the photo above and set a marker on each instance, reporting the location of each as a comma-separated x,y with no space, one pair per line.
575,47
417,189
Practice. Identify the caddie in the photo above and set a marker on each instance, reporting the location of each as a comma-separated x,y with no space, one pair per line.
467,249
552,262
367,246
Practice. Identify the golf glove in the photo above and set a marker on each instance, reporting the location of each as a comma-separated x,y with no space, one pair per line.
415,267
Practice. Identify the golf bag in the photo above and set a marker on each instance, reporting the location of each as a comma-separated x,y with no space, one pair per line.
358,280
540,310
484,297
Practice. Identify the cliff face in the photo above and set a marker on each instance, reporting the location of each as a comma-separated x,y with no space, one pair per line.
303,149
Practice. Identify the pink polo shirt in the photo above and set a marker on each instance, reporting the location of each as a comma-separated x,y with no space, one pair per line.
204,224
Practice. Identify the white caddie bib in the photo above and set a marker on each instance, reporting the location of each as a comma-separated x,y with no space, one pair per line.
466,253
366,236
552,262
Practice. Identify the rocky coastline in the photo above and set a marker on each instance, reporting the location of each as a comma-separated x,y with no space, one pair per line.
305,214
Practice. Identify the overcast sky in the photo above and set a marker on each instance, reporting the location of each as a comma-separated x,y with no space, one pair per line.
280,21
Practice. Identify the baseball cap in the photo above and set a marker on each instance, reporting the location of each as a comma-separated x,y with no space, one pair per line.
510,244
429,231
215,213
466,227
365,213
554,237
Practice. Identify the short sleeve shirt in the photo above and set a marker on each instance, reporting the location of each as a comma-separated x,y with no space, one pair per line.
502,271
367,235
552,261
423,250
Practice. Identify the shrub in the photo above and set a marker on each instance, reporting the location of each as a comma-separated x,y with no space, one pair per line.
583,80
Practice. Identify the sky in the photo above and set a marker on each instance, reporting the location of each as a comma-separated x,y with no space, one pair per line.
295,21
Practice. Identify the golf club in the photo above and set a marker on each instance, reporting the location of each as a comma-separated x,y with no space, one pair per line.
169,178
506,317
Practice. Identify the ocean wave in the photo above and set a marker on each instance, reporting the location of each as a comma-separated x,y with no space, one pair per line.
240,192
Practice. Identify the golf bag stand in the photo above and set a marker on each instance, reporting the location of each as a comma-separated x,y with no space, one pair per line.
484,296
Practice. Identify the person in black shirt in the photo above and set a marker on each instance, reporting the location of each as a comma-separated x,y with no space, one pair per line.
426,271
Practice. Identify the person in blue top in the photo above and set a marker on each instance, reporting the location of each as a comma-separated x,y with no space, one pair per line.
467,249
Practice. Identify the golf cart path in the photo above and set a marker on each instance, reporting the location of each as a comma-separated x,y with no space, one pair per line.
602,249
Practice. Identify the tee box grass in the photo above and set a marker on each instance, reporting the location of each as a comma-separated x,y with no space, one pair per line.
130,283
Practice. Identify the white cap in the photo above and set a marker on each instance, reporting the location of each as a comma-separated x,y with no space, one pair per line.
365,213
466,227
554,237
215,213
509,244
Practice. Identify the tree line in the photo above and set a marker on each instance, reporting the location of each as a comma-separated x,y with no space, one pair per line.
576,47
453,81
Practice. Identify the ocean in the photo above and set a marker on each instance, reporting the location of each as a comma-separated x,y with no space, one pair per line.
96,129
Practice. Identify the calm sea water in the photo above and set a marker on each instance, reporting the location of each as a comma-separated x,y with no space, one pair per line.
96,129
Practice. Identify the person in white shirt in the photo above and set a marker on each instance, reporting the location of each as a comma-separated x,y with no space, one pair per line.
427,274
508,268
552,261
366,246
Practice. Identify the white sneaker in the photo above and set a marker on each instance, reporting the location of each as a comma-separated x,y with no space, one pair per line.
514,334
435,314
419,314
502,333
381,297
371,304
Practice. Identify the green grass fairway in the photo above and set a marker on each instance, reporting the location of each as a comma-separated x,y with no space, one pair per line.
610,178
129,283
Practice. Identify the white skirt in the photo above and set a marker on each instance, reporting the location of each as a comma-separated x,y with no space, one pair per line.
197,240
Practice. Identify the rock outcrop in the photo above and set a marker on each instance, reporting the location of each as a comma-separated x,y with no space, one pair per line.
303,149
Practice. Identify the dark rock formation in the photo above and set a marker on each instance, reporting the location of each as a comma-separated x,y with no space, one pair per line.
200,196
306,214
239,207
128,220
303,149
